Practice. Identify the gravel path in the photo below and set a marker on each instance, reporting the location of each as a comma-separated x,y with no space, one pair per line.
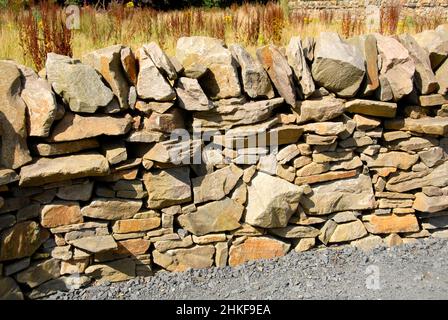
412,271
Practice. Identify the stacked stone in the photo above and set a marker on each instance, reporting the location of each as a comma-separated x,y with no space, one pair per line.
122,164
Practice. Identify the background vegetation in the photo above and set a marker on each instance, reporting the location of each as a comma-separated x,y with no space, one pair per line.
28,31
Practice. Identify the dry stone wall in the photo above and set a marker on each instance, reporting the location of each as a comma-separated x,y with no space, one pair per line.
124,163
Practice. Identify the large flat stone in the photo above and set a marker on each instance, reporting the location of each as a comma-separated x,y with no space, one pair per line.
46,170
428,125
216,185
178,260
21,240
168,187
255,248
372,108
341,195
76,127
111,208
217,216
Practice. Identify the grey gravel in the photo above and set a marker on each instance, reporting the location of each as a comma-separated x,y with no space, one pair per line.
412,271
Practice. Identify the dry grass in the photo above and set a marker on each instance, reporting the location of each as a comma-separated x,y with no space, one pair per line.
250,24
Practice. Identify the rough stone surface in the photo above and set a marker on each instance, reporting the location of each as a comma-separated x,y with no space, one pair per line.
279,71
221,79
256,82
223,215
268,207
14,153
47,170
255,248
338,66
79,84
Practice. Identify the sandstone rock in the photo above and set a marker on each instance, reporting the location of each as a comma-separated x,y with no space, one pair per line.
216,185
62,252
269,207
191,96
115,152
87,93
312,169
115,271
14,152
165,245
60,213
436,44
441,77
153,106
400,160
295,232
22,240
95,244
412,144
365,123
432,156
111,209
161,60
41,106
74,267
256,82
396,65
297,61
129,65
333,232
46,170
324,177
40,273
424,203
341,195
372,108
168,187
54,149
391,223
434,126
431,100
77,127
80,191
330,156
368,243
221,254
174,151
133,246
178,260
227,116
79,226
367,45
405,181
221,78
338,66
135,225
150,82
384,91
325,128
223,215
319,110
305,244
279,71
107,62
9,290
425,79
7,176
164,122
255,248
